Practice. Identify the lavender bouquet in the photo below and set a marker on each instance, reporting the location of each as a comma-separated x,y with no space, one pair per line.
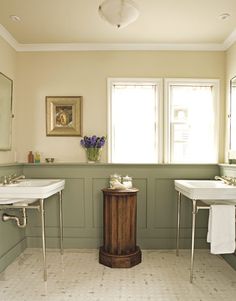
93,146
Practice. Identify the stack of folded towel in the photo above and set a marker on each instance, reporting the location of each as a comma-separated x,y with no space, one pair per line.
221,229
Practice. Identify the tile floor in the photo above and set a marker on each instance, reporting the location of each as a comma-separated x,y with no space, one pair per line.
77,276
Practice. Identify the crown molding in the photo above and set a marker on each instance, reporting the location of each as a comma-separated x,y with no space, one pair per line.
230,40
20,47
119,47
8,37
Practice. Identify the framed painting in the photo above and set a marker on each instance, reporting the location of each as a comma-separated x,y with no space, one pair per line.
64,115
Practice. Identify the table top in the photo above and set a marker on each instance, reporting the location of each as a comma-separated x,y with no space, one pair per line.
120,191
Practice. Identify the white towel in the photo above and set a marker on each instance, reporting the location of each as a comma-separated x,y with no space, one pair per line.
221,229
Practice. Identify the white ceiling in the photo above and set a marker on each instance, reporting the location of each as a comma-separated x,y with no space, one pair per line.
161,22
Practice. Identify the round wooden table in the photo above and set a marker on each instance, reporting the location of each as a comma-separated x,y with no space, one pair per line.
119,248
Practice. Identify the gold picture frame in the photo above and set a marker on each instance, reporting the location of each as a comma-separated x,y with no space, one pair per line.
64,115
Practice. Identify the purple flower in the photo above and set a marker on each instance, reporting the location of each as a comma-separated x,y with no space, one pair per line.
93,142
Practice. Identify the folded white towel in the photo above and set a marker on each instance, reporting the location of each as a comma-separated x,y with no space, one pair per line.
221,229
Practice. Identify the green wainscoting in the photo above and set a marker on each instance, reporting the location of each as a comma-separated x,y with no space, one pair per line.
229,170
82,204
12,239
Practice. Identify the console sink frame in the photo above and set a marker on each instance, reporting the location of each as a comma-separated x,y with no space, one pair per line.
197,204
38,204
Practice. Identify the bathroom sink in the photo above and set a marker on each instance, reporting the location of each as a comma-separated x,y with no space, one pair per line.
206,190
31,189
31,183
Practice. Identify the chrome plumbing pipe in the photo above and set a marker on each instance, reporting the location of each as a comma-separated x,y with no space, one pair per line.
178,223
21,223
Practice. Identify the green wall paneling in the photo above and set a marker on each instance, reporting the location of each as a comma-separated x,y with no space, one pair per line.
12,238
82,206
229,170
83,203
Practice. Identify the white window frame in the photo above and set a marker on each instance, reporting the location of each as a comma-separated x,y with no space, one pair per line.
159,109
215,83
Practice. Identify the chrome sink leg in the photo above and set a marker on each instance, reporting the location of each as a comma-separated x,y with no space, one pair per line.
42,213
178,222
194,212
61,221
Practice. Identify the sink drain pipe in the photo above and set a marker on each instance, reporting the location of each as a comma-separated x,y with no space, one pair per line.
21,223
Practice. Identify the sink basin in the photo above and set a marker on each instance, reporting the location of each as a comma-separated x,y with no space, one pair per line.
32,183
31,189
206,190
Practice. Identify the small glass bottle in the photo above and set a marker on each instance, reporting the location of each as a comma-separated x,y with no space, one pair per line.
37,157
127,181
30,157
115,177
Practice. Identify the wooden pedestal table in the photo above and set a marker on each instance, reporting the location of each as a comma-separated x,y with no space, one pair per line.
119,248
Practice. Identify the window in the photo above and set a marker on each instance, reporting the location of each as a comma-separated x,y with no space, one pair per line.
138,132
191,121
133,120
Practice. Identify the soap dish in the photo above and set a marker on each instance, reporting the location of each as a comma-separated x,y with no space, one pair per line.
49,160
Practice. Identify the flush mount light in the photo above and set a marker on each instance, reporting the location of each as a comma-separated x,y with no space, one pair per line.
224,16
15,18
119,13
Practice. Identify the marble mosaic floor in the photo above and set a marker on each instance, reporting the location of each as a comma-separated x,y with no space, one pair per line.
77,276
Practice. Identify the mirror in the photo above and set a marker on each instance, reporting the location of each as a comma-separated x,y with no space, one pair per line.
6,87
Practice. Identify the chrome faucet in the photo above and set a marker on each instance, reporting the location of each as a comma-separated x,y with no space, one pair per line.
221,179
12,179
227,180
7,179
15,178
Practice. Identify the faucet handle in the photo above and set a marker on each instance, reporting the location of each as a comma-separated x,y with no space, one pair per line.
12,176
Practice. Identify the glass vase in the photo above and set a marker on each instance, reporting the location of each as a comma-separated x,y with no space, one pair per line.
93,154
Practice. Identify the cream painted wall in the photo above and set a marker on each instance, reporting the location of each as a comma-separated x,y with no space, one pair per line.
8,67
230,63
85,73
230,73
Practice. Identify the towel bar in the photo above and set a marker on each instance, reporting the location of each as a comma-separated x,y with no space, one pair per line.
208,208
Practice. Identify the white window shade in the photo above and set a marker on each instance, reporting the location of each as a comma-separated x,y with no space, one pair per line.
134,122
193,127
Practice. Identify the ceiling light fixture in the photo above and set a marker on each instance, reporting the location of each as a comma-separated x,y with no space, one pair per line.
119,13
224,16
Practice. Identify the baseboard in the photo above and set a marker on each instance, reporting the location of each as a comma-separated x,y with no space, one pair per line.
12,254
231,259
94,243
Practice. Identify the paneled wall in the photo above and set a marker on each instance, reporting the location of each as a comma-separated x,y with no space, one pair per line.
12,239
82,204
229,170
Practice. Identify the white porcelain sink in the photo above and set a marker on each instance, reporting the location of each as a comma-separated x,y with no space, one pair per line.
30,189
206,190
